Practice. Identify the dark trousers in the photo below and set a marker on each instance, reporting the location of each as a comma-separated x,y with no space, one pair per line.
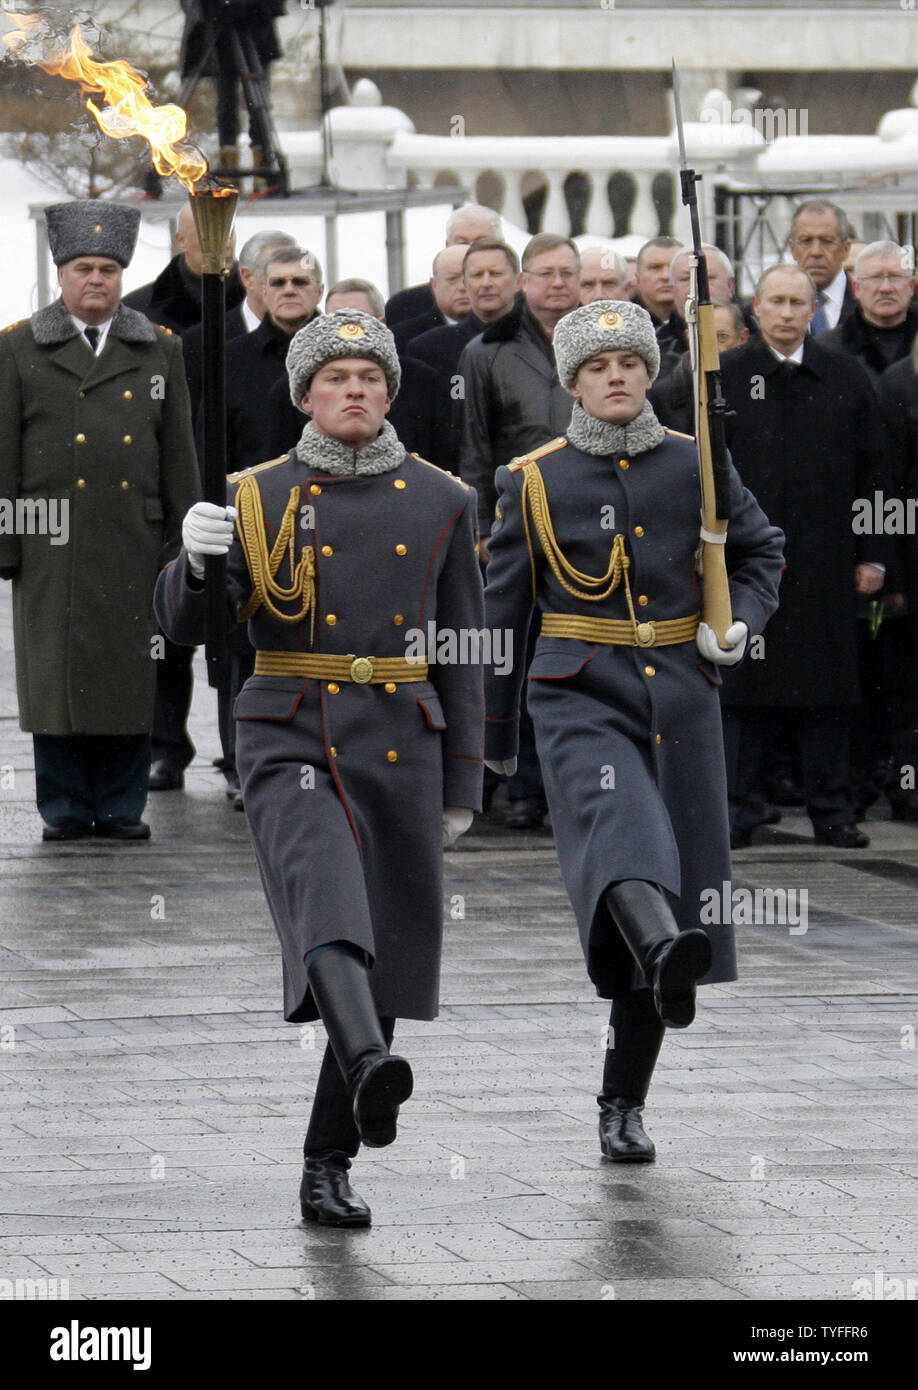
822,736
174,684
87,777
331,1123
227,83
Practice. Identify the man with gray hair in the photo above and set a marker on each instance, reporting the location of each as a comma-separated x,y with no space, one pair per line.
465,224
603,274
882,328
450,301
820,238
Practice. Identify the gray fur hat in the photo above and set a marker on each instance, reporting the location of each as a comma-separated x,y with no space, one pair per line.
92,228
342,333
607,325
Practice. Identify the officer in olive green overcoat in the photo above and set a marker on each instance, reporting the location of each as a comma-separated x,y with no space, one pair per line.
97,469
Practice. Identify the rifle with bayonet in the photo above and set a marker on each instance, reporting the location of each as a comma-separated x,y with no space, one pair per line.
710,410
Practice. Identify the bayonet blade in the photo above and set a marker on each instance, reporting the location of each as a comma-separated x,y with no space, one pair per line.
678,105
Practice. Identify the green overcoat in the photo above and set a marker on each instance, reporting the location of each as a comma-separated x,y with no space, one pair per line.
97,470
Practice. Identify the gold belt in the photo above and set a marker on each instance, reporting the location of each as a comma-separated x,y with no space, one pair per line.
363,670
621,633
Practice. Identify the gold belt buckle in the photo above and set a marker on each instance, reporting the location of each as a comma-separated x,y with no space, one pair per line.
645,634
362,670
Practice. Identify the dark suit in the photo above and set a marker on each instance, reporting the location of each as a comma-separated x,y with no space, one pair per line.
408,329
193,348
408,303
807,441
440,349
173,299
875,348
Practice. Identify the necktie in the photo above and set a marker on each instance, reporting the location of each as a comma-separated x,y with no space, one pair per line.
819,323
92,337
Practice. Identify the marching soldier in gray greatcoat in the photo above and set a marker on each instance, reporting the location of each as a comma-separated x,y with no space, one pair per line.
95,421
599,530
358,761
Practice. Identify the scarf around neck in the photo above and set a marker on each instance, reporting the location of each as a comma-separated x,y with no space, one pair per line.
602,437
320,451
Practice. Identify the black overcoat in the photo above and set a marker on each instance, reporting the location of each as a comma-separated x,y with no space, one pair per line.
808,442
629,739
345,784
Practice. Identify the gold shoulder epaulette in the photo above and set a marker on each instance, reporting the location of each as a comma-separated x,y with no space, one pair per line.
163,329
677,434
445,471
551,447
10,328
256,468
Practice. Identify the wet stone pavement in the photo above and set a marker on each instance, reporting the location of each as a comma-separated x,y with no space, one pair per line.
152,1100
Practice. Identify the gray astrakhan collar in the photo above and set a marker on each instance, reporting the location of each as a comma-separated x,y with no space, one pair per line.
601,437
54,325
320,451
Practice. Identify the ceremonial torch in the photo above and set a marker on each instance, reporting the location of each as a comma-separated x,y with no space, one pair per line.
710,410
214,206
117,96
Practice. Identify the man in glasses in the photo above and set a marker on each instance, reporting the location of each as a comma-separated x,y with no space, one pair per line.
883,326
819,242
514,401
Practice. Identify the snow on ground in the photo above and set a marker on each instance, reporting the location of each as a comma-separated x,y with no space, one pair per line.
361,241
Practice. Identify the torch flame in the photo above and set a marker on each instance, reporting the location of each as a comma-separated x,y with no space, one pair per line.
126,109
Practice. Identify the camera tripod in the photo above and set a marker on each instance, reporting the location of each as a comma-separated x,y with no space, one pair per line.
252,76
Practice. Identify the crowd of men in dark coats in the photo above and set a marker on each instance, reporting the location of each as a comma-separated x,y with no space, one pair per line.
819,371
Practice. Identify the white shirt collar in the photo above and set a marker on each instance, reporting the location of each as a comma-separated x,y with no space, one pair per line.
834,299
249,317
795,356
102,327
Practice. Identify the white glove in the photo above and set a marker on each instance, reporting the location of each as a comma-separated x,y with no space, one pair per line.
707,644
207,530
456,821
504,769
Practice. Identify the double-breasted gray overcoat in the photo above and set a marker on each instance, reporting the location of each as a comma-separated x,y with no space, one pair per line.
345,783
629,738
108,441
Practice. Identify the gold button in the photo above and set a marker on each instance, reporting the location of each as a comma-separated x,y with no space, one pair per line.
125,485
398,619
333,688
333,751
623,463
639,530
127,395
390,687
82,395
315,489
127,439
81,482
81,439
327,550
659,738
400,483
392,756
401,550
650,670
643,600
331,619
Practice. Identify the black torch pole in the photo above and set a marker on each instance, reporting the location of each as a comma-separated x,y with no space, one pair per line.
213,214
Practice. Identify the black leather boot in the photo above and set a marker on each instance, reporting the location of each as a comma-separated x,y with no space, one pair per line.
326,1195
635,1038
672,960
378,1082
622,1137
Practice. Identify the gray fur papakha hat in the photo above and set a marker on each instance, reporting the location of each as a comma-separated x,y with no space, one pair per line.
342,333
607,325
92,228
